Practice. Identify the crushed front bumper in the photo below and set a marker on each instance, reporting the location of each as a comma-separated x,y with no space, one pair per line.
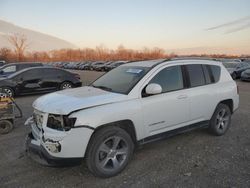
39,154
36,151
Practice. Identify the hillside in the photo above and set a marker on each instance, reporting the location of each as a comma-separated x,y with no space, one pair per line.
37,41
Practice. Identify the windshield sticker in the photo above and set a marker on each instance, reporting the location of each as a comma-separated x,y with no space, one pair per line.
134,71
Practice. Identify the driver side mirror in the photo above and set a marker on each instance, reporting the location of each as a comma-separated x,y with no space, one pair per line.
153,89
1,71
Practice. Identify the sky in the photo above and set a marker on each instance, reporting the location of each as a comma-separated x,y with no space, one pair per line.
167,24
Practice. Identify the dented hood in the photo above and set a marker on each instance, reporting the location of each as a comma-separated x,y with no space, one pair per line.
67,101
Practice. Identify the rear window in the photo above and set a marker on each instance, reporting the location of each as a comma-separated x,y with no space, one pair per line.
196,75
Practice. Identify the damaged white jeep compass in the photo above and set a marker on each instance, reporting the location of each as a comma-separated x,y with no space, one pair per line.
133,104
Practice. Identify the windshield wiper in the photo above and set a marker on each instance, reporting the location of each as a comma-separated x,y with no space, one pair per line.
102,87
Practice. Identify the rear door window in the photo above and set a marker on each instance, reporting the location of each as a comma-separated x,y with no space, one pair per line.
196,75
53,73
33,74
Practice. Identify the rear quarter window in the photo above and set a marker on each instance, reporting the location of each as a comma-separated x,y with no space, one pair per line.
216,72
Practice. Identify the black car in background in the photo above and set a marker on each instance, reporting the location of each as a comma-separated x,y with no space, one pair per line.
11,68
235,69
39,79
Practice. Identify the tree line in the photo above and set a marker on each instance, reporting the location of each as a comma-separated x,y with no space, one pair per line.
19,53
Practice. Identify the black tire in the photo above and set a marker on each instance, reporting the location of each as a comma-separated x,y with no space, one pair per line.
66,85
221,120
9,91
5,126
234,76
104,158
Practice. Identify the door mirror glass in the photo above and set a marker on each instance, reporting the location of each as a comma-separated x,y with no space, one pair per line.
153,89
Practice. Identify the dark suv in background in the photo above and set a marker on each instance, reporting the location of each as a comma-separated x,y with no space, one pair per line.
11,68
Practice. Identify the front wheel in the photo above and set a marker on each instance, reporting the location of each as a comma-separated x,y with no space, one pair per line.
220,120
8,91
109,151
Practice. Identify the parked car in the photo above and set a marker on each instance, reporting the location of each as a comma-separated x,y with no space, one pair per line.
245,75
101,67
235,69
88,66
38,79
11,68
82,65
2,63
93,64
96,65
61,64
132,104
114,65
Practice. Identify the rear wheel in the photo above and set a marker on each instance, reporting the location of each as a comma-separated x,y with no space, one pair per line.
221,120
109,151
66,85
5,126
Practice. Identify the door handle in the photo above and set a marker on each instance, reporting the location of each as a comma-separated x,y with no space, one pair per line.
182,97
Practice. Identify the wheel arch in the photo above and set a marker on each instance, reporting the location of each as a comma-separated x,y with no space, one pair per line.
125,124
229,103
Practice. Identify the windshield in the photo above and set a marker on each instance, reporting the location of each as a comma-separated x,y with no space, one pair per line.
121,79
230,65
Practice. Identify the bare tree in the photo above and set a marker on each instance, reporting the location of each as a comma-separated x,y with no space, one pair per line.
20,44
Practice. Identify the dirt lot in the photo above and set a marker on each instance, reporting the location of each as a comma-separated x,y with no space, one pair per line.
194,159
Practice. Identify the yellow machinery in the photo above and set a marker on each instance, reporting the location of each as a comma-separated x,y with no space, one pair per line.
8,109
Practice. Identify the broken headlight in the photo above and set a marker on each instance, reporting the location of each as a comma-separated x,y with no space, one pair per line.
59,122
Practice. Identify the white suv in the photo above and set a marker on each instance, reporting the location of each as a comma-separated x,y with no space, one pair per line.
133,104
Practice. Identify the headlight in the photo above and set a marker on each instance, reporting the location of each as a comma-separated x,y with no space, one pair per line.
68,122
59,122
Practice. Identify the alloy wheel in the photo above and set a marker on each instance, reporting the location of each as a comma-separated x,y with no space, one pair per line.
112,153
66,86
222,120
9,92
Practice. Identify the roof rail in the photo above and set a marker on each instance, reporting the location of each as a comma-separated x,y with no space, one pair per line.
194,58
163,60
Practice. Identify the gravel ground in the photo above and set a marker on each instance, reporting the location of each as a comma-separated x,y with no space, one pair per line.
193,159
